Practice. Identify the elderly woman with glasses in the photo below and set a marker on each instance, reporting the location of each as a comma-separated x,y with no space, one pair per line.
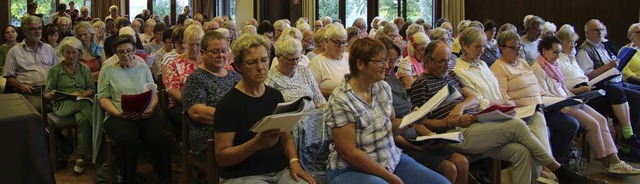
412,66
132,130
92,54
597,131
244,156
631,72
179,69
362,121
518,83
329,67
203,90
73,78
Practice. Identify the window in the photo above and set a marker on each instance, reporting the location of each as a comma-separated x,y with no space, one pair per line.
420,9
162,7
388,9
19,9
355,9
233,9
180,4
328,8
135,8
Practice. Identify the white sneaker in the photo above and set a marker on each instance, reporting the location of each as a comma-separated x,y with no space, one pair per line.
622,168
79,167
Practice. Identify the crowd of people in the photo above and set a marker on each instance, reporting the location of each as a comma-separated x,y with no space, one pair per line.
362,79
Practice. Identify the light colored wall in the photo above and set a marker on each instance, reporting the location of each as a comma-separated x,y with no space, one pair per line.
244,11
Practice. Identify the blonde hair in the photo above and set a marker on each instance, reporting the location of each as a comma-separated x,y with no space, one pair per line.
417,40
193,32
246,42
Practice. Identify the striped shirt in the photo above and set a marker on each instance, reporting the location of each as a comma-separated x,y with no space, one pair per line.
428,85
373,126
29,66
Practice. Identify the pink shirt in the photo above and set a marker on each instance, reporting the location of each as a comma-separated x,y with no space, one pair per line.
517,82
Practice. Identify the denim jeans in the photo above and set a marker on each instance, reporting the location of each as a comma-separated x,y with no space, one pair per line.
408,170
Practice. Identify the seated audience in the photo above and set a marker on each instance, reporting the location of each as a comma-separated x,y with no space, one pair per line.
631,72
530,39
491,51
494,139
156,43
411,67
295,34
360,115
50,35
131,130
167,47
551,80
200,98
10,39
177,37
518,83
92,53
179,69
353,34
28,63
444,36
329,67
101,34
451,165
319,42
307,42
148,32
72,77
618,103
244,156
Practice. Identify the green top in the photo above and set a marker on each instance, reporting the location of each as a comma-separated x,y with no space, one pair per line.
3,56
115,81
61,80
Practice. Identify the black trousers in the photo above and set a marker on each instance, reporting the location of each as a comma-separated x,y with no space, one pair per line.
130,136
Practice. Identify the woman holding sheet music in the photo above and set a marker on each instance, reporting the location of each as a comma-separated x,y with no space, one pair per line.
72,77
551,80
244,156
618,101
131,130
359,114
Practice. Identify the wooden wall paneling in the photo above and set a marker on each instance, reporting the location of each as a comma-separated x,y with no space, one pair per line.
617,15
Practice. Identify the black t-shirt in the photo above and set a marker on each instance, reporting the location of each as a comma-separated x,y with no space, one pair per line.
237,112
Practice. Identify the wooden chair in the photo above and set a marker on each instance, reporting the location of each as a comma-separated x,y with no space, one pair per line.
53,123
189,160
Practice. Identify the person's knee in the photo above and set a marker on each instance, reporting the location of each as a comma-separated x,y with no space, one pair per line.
447,169
461,162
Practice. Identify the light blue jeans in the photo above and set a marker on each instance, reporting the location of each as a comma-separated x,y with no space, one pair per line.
281,177
408,170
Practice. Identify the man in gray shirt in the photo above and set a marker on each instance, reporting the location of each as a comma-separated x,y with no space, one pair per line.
27,63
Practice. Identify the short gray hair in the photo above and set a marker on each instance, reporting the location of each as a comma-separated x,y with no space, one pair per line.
438,33
30,19
113,7
505,36
247,41
507,27
72,42
193,32
280,25
533,21
60,19
567,31
303,27
249,29
288,45
213,35
462,25
333,30
88,26
294,32
413,29
470,35
360,23
319,35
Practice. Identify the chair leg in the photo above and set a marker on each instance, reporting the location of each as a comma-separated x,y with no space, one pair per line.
496,168
52,147
110,178
212,172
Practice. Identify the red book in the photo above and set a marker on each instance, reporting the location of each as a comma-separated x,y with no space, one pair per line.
140,102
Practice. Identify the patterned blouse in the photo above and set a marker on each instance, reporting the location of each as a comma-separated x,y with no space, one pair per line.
292,88
177,72
373,126
203,87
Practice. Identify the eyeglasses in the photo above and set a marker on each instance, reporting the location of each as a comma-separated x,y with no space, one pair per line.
293,60
254,62
380,62
442,62
124,52
598,30
516,47
215,51
339,43
556,52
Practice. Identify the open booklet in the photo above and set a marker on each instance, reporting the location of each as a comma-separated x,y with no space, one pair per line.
625,55
605,76
140,102
63,95
590,95
284,117
445,96
556,103
451,137
496,113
